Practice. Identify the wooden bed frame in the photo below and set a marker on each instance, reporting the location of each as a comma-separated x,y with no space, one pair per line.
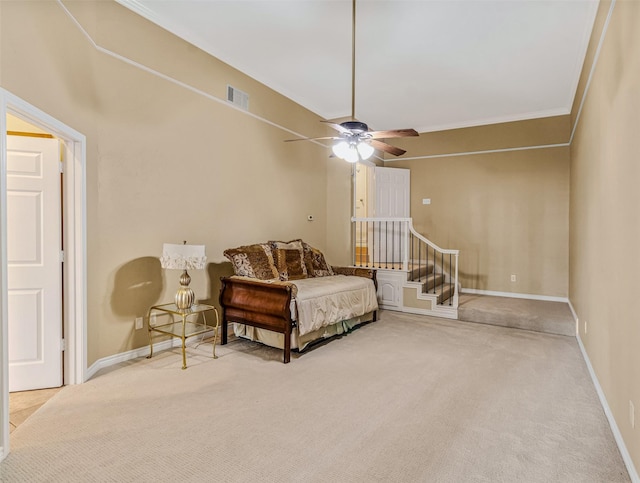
266,306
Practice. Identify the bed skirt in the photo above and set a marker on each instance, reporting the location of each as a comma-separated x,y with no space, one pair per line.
299,342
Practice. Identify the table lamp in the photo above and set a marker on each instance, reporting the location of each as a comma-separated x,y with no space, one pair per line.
183,257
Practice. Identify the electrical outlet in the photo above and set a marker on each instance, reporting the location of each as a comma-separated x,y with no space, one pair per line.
139,323
513,278
632,414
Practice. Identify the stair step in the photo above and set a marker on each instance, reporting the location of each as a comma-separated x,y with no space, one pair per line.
431,281
416,271
445,292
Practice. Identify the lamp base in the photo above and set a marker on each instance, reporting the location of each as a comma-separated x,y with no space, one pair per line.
185,297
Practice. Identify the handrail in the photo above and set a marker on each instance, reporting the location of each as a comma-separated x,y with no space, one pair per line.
446,251
403,252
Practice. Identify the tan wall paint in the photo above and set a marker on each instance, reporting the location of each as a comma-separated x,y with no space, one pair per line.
410,299
596,35
520,134
165,164
605,226
506,212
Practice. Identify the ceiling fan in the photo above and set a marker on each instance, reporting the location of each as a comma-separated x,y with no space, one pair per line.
354,141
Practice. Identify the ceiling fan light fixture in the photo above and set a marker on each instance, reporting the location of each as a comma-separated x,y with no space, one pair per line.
365,150
341,149
352,154
346,150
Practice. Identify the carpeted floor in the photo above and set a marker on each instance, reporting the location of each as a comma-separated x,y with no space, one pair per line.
407,398
536,315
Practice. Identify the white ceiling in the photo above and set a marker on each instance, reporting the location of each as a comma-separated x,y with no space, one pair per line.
422,64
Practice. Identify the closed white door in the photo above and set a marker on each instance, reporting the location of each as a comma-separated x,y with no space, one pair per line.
34,263
392,200
392,192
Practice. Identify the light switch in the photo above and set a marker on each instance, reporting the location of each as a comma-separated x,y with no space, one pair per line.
426,201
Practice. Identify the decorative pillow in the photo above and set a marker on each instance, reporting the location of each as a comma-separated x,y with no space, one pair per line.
317,266
254,261
289,259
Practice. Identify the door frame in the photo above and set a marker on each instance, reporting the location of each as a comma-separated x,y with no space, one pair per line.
75,264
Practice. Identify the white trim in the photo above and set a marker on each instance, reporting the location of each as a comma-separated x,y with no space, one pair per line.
143,351
575,317
442,313
4,315
525,116
514,295
593,68
633,474
626,457
177,82
471,153
75,239
584,44
124,357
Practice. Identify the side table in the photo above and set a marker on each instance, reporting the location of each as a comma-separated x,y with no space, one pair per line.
182,328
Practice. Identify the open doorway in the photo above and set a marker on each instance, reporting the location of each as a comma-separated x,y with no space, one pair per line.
381,201
73,272
362,208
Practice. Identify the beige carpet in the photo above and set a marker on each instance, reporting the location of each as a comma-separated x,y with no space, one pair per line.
405,399
536,315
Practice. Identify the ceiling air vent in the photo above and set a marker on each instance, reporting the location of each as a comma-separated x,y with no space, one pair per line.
238,98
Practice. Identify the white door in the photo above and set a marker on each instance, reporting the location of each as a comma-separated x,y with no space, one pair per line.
392,192
34,263
392,200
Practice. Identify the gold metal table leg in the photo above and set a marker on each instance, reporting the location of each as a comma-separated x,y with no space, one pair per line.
150,336
215,333
184,356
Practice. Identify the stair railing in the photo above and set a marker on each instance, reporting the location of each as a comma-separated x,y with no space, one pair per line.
394,244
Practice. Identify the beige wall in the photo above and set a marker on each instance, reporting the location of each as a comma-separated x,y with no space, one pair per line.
506,209
164,163
605,223
509,135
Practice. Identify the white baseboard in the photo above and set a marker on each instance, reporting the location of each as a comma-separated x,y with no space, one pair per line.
548,298
443,313
134,354
575,317
124,357
631,469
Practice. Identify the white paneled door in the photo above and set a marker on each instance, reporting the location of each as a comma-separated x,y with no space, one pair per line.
34,263
392,200
392,192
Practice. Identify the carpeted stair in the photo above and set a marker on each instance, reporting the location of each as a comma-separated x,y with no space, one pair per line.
432,283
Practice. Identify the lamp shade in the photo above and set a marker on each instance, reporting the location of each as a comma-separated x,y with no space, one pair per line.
183,257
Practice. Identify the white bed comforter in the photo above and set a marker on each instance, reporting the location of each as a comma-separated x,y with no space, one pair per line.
323,301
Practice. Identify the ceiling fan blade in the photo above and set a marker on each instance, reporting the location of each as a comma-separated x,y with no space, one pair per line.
395,133
308,139
337,127
387,148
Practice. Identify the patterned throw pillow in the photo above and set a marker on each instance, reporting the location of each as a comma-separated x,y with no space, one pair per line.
317,266
289,259
255,261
